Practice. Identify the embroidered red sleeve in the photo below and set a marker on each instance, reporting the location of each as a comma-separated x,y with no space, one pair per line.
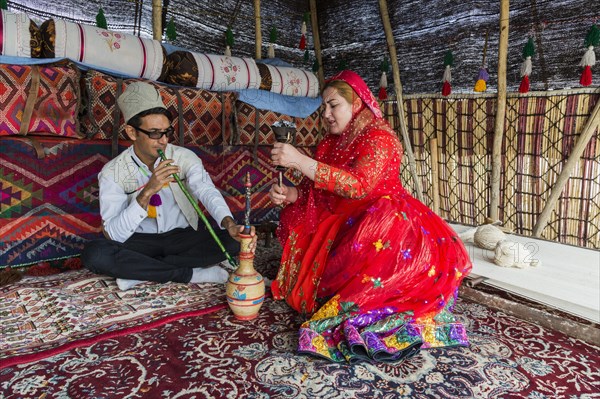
359,179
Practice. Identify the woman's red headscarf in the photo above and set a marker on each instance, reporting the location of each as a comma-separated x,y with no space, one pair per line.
361,88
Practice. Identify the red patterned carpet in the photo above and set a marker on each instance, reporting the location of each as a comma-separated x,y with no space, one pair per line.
199,351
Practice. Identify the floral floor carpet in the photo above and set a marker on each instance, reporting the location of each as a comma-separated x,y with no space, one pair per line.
182,342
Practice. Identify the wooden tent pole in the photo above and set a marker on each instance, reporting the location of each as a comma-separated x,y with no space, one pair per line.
157,20
500,113
586,135
257,31
317,40
385,17
435,176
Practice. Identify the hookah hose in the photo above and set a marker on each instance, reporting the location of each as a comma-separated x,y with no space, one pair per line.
194,203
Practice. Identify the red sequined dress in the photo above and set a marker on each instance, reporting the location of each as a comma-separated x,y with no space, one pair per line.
376,269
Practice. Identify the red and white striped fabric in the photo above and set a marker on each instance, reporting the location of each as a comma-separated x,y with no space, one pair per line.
223,73
15,37
127,54
293,82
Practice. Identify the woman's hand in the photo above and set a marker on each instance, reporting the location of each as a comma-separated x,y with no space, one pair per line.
281,194
286,155
278,194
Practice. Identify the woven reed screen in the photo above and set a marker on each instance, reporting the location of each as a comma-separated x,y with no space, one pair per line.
540,132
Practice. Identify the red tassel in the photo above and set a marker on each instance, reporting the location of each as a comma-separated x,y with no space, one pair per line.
382,93
586,76
446,88
524,86
302,45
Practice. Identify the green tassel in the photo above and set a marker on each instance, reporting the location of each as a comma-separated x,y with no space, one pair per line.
385,65
229,37
593,36
171,32
529,49
342,65
306,55
101,20
4,4
273,35
306,17
315,66
448,58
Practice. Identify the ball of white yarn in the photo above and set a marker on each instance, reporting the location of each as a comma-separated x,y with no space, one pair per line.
487,236
513,254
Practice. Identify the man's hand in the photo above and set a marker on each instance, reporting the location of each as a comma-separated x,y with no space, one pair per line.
235,230
162,174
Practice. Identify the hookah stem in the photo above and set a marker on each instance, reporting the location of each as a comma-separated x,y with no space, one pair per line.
232,262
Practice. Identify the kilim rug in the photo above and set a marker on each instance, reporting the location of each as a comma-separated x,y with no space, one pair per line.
216,356
88,340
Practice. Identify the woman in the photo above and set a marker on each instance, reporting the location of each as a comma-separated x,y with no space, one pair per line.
377,270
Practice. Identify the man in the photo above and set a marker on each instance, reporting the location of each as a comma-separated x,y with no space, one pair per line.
153,231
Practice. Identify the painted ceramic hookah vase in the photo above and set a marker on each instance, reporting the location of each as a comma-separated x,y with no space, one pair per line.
245,287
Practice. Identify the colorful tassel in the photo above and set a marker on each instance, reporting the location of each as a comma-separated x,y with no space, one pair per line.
592,39
171,32
482,78
383,83
272,40
483,75
586,76
228,41
155,201
302,44
101,19
447,78
526,66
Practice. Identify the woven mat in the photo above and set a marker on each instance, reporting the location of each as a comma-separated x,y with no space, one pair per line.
43,316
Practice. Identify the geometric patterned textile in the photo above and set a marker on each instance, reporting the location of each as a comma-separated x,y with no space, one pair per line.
308,130
19,36
56,106
213,355
228,166
127,54
41,315
49,206
206,115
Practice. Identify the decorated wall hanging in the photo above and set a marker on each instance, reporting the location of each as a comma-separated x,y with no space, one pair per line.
528,52
589,58
447,78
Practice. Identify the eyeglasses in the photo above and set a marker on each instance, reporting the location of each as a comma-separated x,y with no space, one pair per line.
157,134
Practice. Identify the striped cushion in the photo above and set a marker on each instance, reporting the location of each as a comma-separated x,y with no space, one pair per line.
126,54
19,35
